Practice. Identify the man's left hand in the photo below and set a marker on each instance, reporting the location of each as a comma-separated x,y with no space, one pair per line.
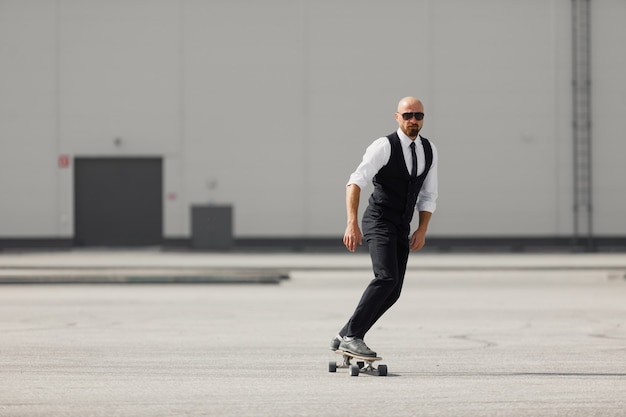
418,239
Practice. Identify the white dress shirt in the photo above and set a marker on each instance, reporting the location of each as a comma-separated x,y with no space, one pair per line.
377,155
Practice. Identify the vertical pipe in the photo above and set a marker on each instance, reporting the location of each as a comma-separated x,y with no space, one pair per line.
590,237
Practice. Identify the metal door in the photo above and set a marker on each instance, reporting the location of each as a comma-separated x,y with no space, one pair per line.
118,201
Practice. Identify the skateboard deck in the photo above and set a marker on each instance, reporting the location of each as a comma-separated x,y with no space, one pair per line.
364,364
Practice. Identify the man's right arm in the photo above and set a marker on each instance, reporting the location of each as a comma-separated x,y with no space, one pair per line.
376,156
352,237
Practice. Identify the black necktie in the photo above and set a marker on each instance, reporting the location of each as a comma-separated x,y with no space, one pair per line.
414,159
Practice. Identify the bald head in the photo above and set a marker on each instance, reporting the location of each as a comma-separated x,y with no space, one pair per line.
413,125
408,103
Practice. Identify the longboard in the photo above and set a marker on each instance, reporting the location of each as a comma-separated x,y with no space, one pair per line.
364,364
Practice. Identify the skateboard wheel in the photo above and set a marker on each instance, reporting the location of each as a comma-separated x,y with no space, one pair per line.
354,370
332,366
382,370
360,364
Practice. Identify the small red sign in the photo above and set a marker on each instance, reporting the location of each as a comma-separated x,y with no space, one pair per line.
64,161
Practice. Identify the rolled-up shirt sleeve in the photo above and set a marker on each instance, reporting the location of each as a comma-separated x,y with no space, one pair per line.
427,198
375,157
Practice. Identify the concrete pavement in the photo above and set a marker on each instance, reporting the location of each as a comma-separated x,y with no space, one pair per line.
158,266
471,336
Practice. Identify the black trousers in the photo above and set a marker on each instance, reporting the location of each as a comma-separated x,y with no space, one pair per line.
388,244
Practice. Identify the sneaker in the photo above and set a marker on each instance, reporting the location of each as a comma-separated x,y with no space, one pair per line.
356,347
334,344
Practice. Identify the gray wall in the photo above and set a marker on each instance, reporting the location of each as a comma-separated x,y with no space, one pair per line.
276,100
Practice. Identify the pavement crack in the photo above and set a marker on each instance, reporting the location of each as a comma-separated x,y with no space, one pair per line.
468,338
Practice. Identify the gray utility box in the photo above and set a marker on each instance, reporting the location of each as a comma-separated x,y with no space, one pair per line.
212,227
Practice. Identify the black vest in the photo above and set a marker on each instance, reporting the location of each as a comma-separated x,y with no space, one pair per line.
395,191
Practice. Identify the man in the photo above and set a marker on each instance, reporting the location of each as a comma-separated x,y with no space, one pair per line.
403,170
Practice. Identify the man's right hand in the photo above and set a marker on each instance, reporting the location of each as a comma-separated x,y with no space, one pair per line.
352,237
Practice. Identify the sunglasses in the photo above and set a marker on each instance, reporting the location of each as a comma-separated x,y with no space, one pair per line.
409,116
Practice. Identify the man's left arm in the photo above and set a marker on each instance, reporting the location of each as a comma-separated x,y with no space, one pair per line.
418,239
426,203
